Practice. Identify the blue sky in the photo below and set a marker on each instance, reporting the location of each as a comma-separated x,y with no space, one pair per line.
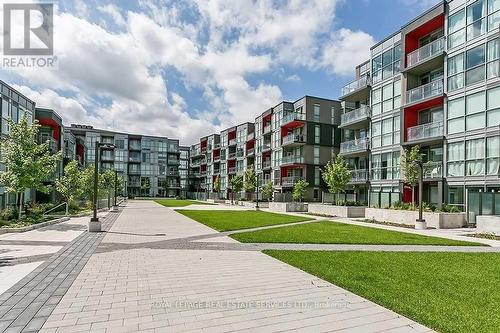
192,67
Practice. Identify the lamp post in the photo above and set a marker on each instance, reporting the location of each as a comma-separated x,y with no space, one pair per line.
257,192
420,224
95,224
115,206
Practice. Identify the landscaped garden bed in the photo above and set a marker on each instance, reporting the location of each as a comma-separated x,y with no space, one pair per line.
329,232
299,207
448,292
438,220
180,203
337,210
226,220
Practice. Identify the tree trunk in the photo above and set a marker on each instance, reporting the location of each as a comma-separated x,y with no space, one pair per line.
19,204
67,207
413,196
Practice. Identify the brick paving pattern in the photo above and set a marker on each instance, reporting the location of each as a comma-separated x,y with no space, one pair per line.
26,306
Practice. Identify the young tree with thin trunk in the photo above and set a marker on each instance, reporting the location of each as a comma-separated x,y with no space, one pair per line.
337,175
250,181
217,185
411,172
299,190
267,191
27,163
236,184
69,184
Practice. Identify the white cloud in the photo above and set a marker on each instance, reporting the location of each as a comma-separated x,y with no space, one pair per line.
345,50
119,79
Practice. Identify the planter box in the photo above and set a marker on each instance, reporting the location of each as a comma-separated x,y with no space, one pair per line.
284,207
216,201
488,224
251,204
341,211
434,220
34,226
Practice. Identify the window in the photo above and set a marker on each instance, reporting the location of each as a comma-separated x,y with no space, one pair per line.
456,112
456,159
316,154
376,134
316,176
397,133
316,113
492,69
456,31
493,155
474,157
475,65
376,101
475,107
493,113
317,135
387,132
476,24
387,94
455,72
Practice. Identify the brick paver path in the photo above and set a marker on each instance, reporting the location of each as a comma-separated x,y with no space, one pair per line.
141,278
26,306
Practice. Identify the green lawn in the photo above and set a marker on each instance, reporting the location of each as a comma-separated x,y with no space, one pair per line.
448,292
340,233
226,220
180,203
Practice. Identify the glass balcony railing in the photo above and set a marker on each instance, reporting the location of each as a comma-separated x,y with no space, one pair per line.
216,158
425,52
231,170
359,84
290,181
250,136
232,142
357,145
267,129
266,146
231,156
292,160
433,170
431,89
425,131
293,138
288,118
359,175
266,164
356,115
240,153
250,151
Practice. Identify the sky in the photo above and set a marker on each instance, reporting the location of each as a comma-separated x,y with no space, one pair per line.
188,68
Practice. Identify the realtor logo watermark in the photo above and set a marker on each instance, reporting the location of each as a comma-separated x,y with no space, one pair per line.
28,35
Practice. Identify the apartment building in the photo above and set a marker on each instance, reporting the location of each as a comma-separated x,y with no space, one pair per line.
291,141
149,165
14,106
434,83
184,169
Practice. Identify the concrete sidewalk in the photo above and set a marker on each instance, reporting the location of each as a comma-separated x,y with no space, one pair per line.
133,283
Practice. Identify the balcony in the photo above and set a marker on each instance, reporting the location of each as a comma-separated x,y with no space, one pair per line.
266,147
217,158
232,142
240,154
134,184
356,119
133,159
250,152
433,170
107,157
425,132
291,159
293,119
231,156
426,58
267,129
266,164
134,171
134,145
293,140
173,173
173,161
290,181
358,90
355,147
251,136
359,176
231,170
424,92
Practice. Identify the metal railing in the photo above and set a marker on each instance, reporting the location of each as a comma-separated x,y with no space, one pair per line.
425,52
291,138
291,159
290,181
355,115
433,170
291,117
354,145
359,175
431,89
359,84
425,131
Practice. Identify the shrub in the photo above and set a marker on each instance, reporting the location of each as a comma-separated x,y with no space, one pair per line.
450,209
8,214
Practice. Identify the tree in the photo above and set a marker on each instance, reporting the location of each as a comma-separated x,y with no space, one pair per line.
250,183
69,184
299,190
236,184
217,185
337,175
411,172
87,183
267,191
108,183
28,164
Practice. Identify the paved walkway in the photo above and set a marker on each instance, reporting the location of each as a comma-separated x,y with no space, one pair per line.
136,282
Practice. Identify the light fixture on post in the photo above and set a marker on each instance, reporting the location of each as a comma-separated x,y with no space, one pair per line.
94,223
115,205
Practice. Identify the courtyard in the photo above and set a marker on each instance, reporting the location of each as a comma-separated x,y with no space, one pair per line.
180,266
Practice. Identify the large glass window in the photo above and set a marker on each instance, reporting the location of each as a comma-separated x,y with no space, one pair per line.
376,134
456,159
492,69
475,107
493,155
387,132
456,112
493,114
456,29
455,72
474,157
476,22
475,65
